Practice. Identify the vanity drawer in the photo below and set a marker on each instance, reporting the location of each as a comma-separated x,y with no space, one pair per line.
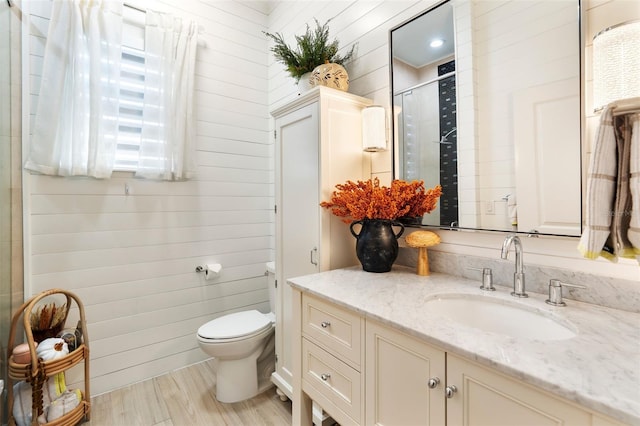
327,379
338,330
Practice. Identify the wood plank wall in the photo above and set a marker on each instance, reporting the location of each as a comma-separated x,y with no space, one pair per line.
131,258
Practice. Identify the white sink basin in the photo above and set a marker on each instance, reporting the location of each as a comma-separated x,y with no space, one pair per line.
500,316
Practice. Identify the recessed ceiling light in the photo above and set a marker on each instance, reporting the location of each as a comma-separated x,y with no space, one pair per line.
436,43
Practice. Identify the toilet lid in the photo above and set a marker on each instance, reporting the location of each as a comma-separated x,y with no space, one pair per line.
234,325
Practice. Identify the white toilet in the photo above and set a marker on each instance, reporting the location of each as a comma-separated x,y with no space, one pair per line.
243,344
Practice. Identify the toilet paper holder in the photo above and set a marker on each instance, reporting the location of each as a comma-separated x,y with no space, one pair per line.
211,270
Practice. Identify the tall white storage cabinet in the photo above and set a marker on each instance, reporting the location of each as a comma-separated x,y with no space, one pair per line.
318,139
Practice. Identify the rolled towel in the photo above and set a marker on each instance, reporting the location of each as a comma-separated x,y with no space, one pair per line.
61,406
22,408
54,386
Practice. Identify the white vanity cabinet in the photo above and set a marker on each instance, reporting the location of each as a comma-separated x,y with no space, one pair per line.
402,380
318,144
332,359
486,397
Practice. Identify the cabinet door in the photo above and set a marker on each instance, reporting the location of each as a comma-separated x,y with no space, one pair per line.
485,397
397,379
297,220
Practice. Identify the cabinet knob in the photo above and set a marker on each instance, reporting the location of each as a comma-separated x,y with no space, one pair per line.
450,390
433,382
325,324
325,376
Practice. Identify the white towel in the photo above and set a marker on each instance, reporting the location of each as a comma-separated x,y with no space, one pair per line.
601,187
64,404
22,408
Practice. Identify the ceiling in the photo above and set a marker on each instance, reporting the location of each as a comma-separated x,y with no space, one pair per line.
411,42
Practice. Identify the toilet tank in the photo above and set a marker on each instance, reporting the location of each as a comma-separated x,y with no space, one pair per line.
271,284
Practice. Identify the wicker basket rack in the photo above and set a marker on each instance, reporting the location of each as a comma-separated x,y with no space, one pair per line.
36,372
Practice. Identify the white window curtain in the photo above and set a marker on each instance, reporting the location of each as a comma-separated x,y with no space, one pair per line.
167,144
76,117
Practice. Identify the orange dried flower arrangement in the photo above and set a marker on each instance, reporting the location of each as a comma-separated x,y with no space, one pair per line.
359,200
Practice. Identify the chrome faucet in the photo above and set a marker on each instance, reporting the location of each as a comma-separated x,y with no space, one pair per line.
518,276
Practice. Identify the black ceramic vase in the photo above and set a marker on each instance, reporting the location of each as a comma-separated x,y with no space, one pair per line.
410,220
377,243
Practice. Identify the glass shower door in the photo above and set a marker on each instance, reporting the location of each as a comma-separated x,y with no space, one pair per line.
419,133
9,142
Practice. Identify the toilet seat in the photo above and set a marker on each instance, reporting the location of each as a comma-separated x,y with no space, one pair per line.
236,326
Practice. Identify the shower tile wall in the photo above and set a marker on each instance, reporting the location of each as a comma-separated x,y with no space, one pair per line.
448,147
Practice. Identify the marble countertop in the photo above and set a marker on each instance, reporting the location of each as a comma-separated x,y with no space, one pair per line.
599,368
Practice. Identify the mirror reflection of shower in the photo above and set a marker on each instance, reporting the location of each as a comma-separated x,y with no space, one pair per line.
443,140
424,120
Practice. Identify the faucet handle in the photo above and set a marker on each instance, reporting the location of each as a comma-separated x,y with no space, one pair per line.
487,278
555,292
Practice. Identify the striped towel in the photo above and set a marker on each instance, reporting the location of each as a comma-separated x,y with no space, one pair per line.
612,224
621,215
634,185
601,189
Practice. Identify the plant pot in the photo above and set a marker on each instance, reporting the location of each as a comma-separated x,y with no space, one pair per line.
330,75
377,243
40,335
304,84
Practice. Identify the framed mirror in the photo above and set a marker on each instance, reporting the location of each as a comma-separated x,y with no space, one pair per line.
486,101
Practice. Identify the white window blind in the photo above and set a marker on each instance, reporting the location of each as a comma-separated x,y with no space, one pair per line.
132,83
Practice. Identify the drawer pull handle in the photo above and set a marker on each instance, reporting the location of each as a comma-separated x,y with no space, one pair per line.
325,324
433,382
450,390
325,376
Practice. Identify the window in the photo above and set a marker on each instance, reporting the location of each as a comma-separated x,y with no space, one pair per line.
116,106
132,80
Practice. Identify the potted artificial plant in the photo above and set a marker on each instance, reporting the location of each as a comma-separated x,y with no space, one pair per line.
312,50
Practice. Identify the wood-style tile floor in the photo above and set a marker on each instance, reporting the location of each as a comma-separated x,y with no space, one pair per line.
185,397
